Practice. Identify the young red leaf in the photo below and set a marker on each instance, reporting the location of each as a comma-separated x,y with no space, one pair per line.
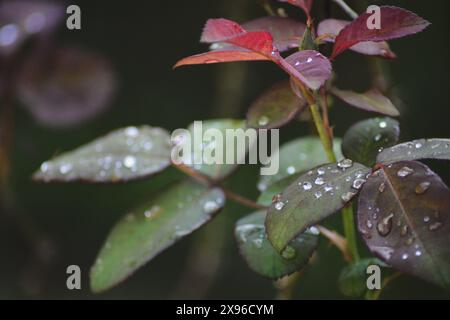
330,28
305,5
395,23
221,56
372,100
286,32
218,30
308,66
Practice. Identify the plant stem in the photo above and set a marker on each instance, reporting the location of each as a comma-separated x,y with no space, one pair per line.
346,8
349,231
205,180
323,132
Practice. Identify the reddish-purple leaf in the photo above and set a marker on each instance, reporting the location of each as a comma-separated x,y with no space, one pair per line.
286,32
404,216
372,100
275,107
395,23
257,41
330,28
221,56
305,5
308,66
218,30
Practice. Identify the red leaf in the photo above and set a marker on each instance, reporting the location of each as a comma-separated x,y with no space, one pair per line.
395,23
308,66
305,5
286,32
330,28
219,30
221,56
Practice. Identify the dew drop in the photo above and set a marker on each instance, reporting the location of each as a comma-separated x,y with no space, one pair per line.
404,172
263,121
290,170
153,212
377,137
328,188
210,206
422,187
309,60
45,166
320,171
426,219
346,197
418,145
405,256
384,227
344,164
358,183
381,187
318,194
65,168
418,253
383,124
314,230
404,230
434,226
279,205
319,181
369,224
258,243
307,186
129,161
289,253
132,132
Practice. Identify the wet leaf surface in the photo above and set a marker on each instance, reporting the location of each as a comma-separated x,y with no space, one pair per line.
266,196
416,150
298,156
404,217
204,153
262,257
275,107
372,101
122,155
308,66
363,141
311,198
145,232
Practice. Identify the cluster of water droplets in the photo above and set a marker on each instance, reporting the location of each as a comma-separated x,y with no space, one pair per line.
430,148
320,183
121,154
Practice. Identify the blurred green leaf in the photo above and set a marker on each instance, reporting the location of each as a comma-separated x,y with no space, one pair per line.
298,156
404,217
262,257
363,141
122,155
206,151
353,278
415,150
311,198
275,107
145,232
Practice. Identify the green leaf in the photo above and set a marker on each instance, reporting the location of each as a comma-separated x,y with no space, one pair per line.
415,150
204,145
275,107
311,198
298,156
353,278
262,257
404,216
122,155
308,41
363,141
145,232
266,197
371,100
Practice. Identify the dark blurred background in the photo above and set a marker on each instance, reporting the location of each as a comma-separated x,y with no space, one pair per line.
53,226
